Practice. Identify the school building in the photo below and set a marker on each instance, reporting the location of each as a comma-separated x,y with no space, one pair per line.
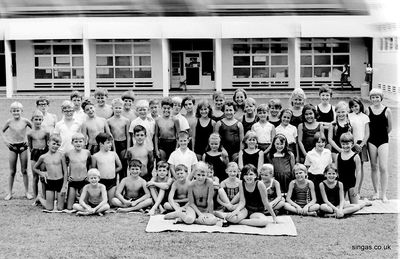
216,45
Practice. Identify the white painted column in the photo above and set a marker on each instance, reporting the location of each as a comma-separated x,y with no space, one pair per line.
86,68
9,77
296,63
165,66
218,64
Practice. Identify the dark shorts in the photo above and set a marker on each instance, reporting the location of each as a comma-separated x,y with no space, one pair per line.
36,153
92,205
251,210
93,148
109,183
77,184
18,148
120,147
54,185
147,177
167,145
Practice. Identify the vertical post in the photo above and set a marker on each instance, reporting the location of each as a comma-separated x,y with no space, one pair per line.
294,82
9,76
86,68
218,64
165,66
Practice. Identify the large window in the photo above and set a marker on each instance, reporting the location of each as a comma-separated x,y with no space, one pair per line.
123,59
58,59
388,44
323,58
260,58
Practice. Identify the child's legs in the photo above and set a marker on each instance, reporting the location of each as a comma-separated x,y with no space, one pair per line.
350,208
143,204
188,216
49,202
60,200
35,181
168,206
111,193
71,197
313,207
208,220
278,204
117,203
23,157
238,217
324,207
158,200
361,176
256,219
352,198
373,155
103,208
223,196
290,207
78,207
383,153
12,161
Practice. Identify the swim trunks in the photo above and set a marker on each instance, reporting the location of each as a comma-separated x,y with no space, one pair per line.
77,184
54,185
18,148
36,153
109,183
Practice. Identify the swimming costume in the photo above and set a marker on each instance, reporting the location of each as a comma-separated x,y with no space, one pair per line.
333,194
378,128
282,170
54,185
337,132
347,172
36,153
317,179
231,192
216,119
109,183
120,147
325,117
271,191
218,166
301,196
253,200
94,148
230,138
308,137
247,125
250,158
77,184
167,145
275,123
202,135
296,120
18,148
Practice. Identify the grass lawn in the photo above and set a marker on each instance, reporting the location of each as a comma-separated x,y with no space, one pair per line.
26,232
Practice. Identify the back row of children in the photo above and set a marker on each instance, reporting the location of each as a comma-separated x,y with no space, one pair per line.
231,131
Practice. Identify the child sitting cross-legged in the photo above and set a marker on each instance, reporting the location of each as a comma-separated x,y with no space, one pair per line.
132,193
178,195
274,193
93,199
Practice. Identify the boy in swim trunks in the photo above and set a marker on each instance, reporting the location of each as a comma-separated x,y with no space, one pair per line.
49,119
55,175
132,193
102,109
107,162
178,195
37,141
159,187
78,161
128,98
15,140
93,199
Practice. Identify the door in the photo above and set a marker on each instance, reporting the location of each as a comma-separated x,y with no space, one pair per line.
192,68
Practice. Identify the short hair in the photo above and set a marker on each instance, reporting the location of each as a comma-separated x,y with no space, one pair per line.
163,164
232,164
342,105
188,98
100,91
75,94
214,136
55,137
102,137
300,167
154,101
250,101
135,163
325,89
247,169
42,99
16,105
297,93
376,91
218,94
166,101
306,108
268,167
37,113
181,167
66,104
239,90
139,128
249,134
262,108
201,104
176,99
229,103
128,95
346,138
319,136
93,171
116,102
286,110
85,103
201,166
356,100
276,103
183,133
142,104
77,135
329,167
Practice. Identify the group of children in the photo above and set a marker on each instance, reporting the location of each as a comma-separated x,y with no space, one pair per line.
234,162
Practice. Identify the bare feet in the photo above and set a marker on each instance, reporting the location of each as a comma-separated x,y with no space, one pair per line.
8,197
385,199
83,213
29,196
367,202
375,196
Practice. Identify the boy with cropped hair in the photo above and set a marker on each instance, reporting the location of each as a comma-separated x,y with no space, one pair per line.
67,126
102,109
142,108
76,98
182,155
154,106
129,110
176,113
49,119
178,195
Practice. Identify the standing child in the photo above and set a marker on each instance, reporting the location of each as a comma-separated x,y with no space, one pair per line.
93,199
188,103
274,193
340,126
238,98
79,115
325,110
359,121
132,193
49,119
275,107
128,112
231,131
288,130
216,156
282,160
301,198
333,196
264,130
142,109
251,154
297,100
159,187
307,129
78,162
55,174
249,118
182,155
219,102
178,199
107,162
154,106
102,109
380,118
15,140
203,128
38,138
176,114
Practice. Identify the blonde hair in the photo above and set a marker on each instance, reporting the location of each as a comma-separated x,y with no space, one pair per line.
342,105
201,166
376,91
268,168
77,135
37,113
117,101
297,93
232,164
250,101
300,167
249,134
142,104
93,171
16,105
67,104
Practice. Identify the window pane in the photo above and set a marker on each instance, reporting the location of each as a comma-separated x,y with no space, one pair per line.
260,60
104,49
341,47
104,61
143,72
306,72
305,48
260,48
340,60
77,49
142,61
61,61
322,60
260,72
279,60
322,71
142,49
104,73
60,49
42,50
64,73
279,72
43,73
77,73
241,72
279,48
123,73
123,49
42,61
241,61
77,61
321,48
305,60
241,48
123,61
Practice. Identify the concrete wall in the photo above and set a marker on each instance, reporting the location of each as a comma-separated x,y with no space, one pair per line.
25,65
385,66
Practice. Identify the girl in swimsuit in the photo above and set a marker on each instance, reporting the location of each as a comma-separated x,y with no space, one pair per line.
275,197
249,118
325,110
203,128
216,156
251,154
219,101
238,98
380,127
297,100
